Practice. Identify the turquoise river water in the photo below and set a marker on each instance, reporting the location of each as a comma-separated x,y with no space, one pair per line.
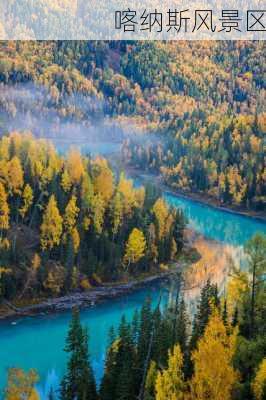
38,342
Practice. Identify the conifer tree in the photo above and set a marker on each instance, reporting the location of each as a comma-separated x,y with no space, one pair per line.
182,327
255,248
208,299
78,382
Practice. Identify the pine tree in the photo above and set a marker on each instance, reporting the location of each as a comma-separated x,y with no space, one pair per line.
78,382
225,316
235,317
145,328
182,327
208,298
119,377
255,248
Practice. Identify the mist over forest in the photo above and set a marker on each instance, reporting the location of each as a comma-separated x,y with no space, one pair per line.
75,118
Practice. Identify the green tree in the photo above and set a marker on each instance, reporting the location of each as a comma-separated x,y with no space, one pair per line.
255,248
78,382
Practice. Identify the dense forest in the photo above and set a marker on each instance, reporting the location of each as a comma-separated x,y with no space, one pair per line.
68,223
160,356
193,112
205,102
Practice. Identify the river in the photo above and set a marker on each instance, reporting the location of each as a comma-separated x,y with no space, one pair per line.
38,342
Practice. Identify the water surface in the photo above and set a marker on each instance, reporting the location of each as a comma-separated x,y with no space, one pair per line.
38,342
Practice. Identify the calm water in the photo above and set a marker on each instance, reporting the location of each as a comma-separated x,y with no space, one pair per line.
217,224
38,342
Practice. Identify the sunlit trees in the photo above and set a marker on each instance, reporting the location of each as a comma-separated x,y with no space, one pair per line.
75,168
170,382
15,176
20,385
103,179
86,225
214,375
259,383
4,210
27,196
71,215
117,212
51,228
135,247
161,212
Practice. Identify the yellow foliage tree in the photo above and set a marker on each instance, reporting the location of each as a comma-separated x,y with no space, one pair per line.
135,247
170,382
125,188
75,239
51,228
214,376
66,181
259,384
20,385
27,197
75,166
71,214
4,209
236,289
15,176
161,212
117,213
55,279
98,212
103,180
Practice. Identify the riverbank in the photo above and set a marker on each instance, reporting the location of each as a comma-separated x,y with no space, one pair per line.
84,299
198,197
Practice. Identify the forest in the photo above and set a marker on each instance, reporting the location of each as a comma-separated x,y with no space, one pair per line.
203,101
68,223
162,355
191,113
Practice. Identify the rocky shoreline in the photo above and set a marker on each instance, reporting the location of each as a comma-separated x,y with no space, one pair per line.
82,299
